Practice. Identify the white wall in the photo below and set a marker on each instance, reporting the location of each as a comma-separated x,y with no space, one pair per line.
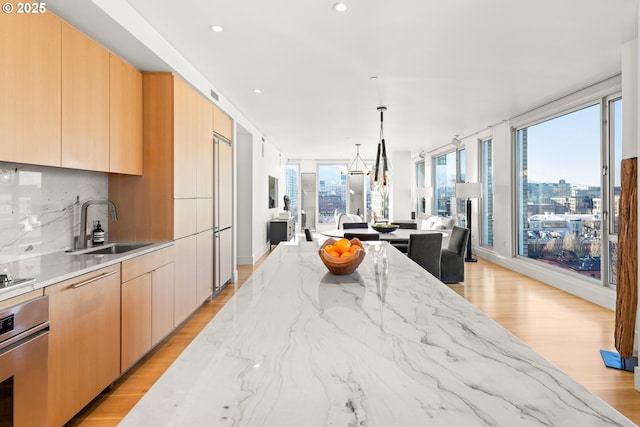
257,160
243,149
400,200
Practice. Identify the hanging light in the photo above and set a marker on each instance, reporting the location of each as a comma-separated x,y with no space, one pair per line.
382,169
357,166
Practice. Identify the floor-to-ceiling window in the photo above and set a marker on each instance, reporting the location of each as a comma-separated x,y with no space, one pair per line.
559,191
486,172
420,201
444,183
332,193
292,186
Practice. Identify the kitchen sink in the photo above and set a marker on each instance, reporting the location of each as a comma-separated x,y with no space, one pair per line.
110,249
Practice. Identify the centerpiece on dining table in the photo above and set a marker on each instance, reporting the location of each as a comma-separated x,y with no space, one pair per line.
385,228
342,256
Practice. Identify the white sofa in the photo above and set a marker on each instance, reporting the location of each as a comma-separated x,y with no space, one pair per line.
434,222
346,217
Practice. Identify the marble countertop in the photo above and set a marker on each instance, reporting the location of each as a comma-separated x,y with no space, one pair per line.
56,267
388,345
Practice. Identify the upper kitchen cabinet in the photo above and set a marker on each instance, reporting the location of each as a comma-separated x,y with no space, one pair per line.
185,127
204,185
147,205
30,87
222,124
85,102
125,117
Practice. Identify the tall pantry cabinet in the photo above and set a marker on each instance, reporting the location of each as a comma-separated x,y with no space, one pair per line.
223,198
174,198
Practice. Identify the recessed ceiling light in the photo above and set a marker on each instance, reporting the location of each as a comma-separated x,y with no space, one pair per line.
340,7
373,78
257,91
217,28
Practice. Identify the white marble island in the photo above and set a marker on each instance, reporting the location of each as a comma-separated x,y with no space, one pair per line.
386,346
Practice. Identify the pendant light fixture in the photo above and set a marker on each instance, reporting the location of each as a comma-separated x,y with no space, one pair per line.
357,166
382,169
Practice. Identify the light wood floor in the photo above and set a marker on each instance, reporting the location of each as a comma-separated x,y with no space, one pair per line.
566,330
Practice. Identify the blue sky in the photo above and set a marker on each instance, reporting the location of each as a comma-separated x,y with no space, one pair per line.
567,147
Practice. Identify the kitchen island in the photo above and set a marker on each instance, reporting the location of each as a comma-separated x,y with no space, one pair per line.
388,345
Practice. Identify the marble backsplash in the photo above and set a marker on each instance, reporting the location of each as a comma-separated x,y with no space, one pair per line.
40,208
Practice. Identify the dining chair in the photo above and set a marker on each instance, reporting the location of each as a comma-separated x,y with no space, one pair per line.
424,249
401,245
346,217
408,225
349,225
307,234
362,236
452,257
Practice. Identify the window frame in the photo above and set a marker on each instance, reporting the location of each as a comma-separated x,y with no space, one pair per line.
600,94
487,191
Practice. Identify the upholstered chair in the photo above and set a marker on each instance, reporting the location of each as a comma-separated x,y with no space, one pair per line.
452,258
350,225
403,245
345,217
362,236
308,235
424,249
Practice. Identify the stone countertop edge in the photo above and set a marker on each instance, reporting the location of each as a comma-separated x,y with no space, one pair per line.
60,266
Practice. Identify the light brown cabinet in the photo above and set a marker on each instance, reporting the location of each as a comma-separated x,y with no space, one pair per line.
85,102
146,303
222,124
223,184
146,204
136,320
223,257
125,117
204,277
185,299
204,146
185,126
175,195
162,291
30,87
223,202
73,103
84,340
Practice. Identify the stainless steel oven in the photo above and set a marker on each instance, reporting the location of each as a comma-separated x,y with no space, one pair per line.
24,345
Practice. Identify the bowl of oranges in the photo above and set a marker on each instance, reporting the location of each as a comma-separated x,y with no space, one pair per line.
342,256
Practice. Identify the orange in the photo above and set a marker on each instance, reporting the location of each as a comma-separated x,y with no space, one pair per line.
329,248
354,248
342,245
334,254
346,254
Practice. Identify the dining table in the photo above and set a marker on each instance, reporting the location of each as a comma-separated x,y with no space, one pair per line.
387,345
399,235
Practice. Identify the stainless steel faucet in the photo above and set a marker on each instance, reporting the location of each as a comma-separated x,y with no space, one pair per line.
83,218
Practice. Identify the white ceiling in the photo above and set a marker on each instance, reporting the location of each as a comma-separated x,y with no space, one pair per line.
444,67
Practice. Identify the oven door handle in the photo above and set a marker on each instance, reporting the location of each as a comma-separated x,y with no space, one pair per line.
27,336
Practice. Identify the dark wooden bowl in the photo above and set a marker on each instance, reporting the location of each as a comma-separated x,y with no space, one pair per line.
342,266
385,228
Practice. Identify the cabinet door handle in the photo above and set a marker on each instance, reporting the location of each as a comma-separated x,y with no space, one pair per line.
93,279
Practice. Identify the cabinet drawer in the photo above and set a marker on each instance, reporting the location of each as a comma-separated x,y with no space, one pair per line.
145,263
